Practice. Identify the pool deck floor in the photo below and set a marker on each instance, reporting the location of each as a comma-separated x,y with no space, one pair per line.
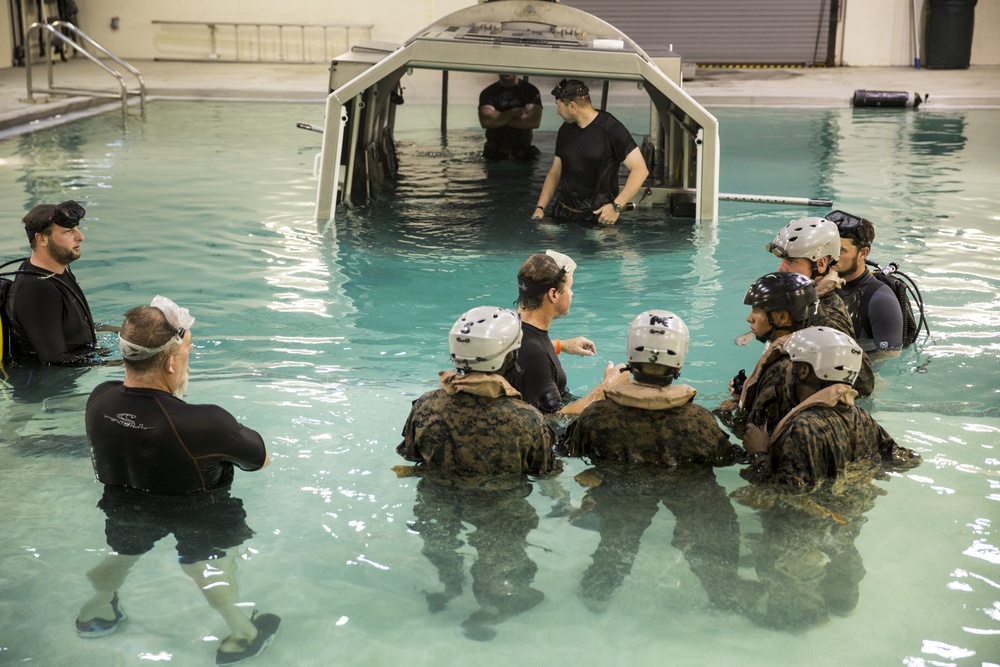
976,87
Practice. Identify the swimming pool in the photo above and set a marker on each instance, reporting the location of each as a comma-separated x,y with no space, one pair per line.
320,338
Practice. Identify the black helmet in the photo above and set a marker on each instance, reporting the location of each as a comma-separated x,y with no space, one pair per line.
788,291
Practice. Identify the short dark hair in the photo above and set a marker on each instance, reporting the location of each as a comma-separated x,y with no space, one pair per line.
542,270
147,326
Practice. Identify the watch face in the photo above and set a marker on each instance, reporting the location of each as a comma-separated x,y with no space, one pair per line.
618,207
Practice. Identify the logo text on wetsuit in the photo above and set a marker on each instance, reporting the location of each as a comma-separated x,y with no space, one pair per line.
127,420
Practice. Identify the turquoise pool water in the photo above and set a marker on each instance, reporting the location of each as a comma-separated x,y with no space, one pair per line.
320,337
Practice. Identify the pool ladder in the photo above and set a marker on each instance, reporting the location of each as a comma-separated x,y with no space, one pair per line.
54,30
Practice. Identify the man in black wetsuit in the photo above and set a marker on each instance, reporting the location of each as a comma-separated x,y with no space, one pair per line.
878,320
167,467
49,315
509,110
545,293
582,183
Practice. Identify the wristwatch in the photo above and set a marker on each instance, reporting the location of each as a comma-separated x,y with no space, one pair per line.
618,207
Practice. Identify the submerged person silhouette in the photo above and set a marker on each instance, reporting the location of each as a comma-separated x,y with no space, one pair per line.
475,441
502,573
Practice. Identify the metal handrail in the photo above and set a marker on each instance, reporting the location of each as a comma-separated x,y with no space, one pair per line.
213,29
53,29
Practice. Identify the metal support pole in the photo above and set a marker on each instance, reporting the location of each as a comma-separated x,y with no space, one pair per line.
444,102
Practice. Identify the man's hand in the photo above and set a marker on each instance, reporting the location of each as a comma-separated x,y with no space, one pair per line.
607,215
538,214
579,346
615,375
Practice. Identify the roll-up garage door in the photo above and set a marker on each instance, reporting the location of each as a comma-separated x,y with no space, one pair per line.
772,32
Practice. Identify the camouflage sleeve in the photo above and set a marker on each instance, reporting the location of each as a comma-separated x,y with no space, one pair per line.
574,442
771,403
791,461
540,459
408,448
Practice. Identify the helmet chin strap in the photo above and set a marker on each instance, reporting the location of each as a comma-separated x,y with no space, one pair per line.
658,380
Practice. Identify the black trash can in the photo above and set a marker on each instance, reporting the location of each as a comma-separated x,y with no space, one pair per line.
948,33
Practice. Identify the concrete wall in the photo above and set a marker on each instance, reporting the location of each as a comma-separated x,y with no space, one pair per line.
879,33
873,32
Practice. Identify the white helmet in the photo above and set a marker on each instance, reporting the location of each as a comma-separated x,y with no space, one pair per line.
658,337
833,355
482,337
812,238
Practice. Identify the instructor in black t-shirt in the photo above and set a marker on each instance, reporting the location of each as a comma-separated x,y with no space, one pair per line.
545,292
167,466
509,110
582,183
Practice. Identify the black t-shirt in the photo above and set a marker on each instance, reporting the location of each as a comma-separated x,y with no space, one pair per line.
538,375
591,157
50,317
503,99
150,440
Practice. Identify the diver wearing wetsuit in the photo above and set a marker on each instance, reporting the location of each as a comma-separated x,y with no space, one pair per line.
50,317
194,447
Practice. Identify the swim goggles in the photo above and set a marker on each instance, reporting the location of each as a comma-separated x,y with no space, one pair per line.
178,318
776,250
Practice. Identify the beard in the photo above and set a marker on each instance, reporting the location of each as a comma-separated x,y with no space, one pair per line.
64,256
183,386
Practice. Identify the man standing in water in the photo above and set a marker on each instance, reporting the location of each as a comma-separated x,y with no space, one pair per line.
545,292
49,315
167,467
582,183
509,110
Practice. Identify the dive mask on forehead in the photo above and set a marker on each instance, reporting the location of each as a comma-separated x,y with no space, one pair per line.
178,318
849,226
68,214
569,89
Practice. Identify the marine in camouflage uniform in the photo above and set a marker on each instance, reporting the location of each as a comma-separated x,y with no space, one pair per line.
650,443
819,439
815,484
673,431
477,425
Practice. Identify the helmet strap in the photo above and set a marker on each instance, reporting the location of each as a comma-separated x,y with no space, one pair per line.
647,378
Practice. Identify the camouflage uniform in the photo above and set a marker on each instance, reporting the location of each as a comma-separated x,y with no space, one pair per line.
465,434
818,440
816,484
607,431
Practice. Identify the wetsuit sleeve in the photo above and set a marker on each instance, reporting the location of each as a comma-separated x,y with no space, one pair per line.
886,320
244,446
38,314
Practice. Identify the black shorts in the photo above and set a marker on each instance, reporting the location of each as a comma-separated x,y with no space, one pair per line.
204,526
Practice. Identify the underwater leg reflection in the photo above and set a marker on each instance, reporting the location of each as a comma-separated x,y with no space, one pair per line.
624,499
502,572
